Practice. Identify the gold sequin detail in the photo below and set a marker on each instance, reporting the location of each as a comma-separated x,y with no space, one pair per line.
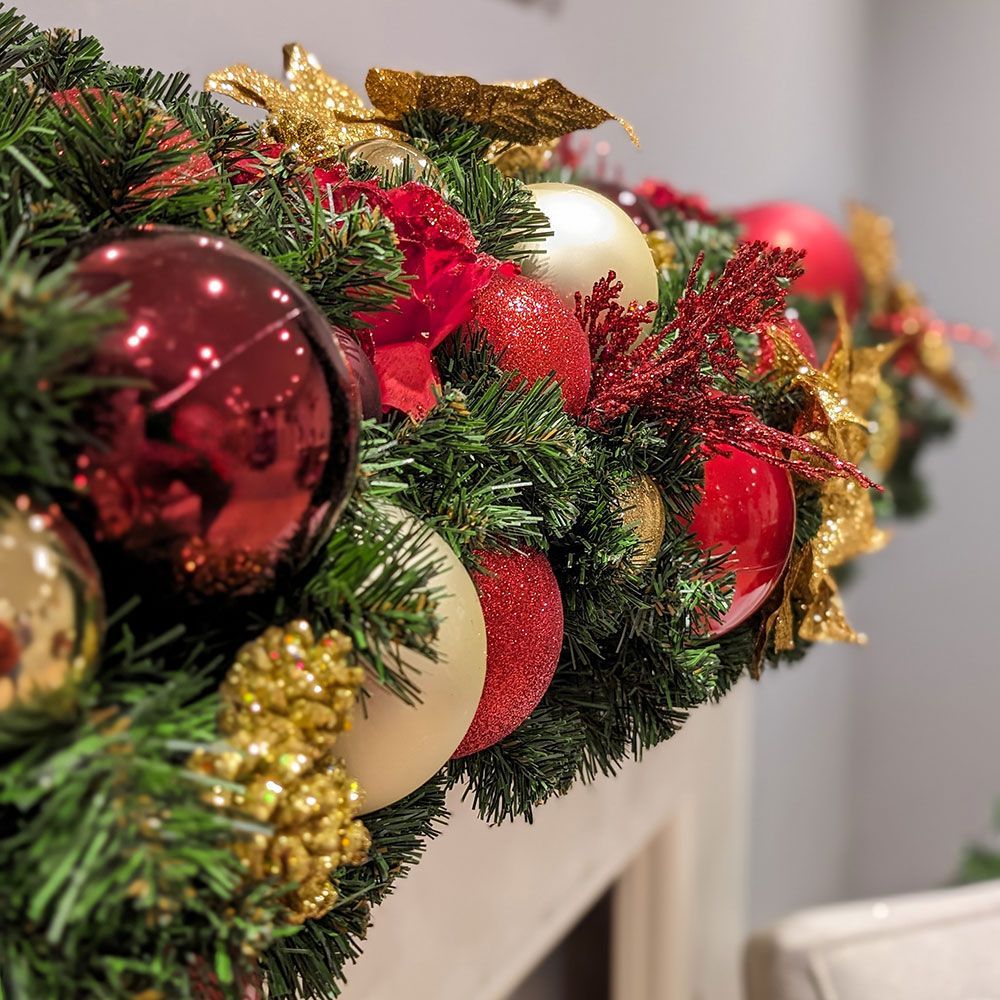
284,701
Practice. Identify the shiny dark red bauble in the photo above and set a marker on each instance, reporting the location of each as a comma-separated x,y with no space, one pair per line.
369,393
236,445
747,509
635,206
831,267
523,611
536,334
799,336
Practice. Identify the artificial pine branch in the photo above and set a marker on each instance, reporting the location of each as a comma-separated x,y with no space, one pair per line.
47,331
492,466
500,209
116,873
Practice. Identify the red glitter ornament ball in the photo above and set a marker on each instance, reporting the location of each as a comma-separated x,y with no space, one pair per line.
197,166
747,509
799,336
537,335
524,633
634,205
236,446
831,267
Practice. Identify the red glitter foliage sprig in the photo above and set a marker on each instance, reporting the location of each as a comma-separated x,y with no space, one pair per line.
670,375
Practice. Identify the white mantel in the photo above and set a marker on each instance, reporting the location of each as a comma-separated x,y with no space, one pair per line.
486,904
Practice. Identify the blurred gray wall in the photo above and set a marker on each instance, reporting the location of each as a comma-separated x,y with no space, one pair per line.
926,692
870,767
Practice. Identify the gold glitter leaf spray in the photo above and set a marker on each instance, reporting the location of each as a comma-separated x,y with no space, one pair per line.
896,305
315,114
838,398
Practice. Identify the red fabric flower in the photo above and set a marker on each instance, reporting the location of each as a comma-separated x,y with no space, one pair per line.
666,198
446,272
441,262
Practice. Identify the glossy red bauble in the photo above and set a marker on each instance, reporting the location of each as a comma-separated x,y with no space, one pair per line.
523,610
235,445
831,267
634,205
799,336
536,333
747,509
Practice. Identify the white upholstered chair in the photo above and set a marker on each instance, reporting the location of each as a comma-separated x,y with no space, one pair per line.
934,946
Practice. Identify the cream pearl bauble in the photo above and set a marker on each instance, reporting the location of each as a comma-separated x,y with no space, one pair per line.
394,747
591,235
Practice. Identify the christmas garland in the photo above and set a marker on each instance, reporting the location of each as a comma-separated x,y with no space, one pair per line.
391,398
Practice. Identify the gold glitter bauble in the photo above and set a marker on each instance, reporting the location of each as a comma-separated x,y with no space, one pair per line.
644,512
284,702
514,159
591,235
390,156
394,747
51,604
661,249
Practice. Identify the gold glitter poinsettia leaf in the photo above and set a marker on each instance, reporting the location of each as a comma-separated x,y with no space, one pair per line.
896,304
526,111
284,702
315,115
936,360
838,398
875,249
883,445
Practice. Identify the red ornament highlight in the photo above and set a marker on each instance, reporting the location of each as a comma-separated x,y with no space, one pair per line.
196,167
799,336
634,205
830,266
369,394
747,509
236,445
537,335
523,610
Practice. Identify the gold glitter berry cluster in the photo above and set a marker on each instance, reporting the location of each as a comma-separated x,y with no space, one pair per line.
284,701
